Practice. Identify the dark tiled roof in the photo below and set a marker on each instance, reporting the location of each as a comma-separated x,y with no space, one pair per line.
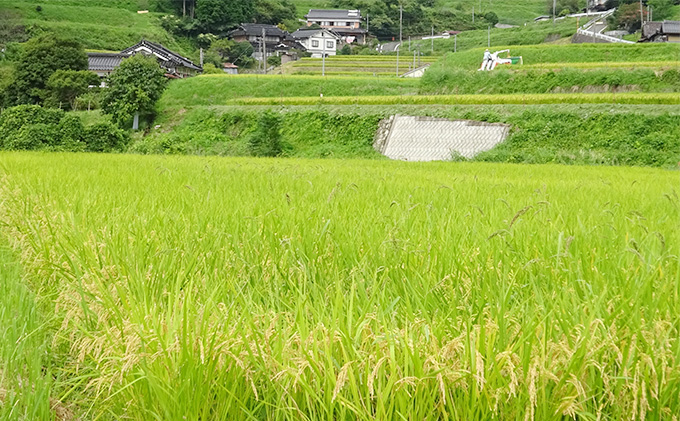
163,53
651,28
333,14
250,29
104,61
671,27
350,31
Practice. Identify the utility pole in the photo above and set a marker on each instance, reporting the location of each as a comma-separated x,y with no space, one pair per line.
554,10
409,42
323,54
414,59
264,52
368,26
401,20
488,37
642,16
432,39
398,59
455,43
473,14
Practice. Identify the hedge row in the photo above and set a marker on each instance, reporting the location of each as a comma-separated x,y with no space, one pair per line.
32,127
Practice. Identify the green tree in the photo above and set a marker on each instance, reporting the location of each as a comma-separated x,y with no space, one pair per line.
40,58
218,16
239,53
274,11
661,9
491,17
66,85
627,17
133,89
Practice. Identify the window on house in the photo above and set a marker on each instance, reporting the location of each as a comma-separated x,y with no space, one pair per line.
330,44
348,23
325,23
315,43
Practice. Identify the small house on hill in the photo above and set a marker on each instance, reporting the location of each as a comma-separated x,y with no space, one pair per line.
666,31
271,38
345,23
103,64
318,42
175,65
230,68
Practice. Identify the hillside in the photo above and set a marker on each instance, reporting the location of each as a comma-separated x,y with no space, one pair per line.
97,24
513,12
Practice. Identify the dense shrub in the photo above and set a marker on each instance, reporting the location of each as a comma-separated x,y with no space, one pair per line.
15,122
266,139
105,137
31,127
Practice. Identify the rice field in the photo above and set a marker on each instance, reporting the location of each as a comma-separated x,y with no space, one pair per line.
361,66
662,98
207,288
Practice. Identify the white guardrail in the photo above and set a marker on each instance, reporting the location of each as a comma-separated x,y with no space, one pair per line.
598,16
603,37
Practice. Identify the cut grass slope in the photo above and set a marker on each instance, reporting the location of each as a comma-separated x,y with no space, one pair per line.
97,25
571,134
532,33
220,89
284,289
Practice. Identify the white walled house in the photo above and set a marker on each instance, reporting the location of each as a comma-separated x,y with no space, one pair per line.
345,23
318,41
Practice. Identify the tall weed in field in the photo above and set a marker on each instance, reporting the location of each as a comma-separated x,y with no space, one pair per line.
233,289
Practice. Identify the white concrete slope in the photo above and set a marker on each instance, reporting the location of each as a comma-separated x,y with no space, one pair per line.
436,139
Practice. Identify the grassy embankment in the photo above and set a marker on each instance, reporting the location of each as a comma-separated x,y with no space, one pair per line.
569,134
102,25
576,55
531,34
281,289
508,11
342,123
571,68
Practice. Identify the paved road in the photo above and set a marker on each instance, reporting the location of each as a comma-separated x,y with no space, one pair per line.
597,27
389,47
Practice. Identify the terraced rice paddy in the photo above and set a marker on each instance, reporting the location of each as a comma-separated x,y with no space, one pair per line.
170,287
378,65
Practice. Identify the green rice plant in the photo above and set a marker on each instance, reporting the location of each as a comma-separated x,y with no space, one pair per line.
205,288
509,81
551,54
528,99
376,58
663,65
220,89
